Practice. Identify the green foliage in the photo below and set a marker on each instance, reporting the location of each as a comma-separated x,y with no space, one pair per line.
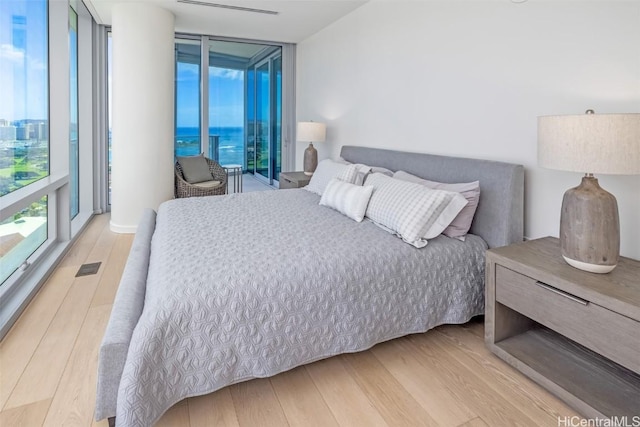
21,166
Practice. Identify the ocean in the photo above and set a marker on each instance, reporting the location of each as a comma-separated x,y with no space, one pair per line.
230,143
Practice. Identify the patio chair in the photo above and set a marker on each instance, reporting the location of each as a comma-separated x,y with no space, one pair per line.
216,186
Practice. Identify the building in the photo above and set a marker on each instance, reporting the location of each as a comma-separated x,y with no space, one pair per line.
43,132
8,133
24,132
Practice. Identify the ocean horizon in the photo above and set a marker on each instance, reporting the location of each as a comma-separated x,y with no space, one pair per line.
230,143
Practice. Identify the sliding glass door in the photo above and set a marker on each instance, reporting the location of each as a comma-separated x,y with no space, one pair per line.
229,103
276,123
267,145
263,120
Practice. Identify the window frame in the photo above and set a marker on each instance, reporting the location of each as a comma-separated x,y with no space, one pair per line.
75,188
19,287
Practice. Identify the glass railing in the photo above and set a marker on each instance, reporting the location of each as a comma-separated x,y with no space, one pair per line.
226,149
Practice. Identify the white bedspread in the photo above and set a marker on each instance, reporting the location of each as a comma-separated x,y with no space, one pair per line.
250,285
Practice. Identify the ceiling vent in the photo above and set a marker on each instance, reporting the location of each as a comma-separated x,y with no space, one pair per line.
227,6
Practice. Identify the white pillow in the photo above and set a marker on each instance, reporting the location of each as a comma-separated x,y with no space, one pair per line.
414,212
348,199
325,172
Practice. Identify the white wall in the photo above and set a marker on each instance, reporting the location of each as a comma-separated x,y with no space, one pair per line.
143,107
469,78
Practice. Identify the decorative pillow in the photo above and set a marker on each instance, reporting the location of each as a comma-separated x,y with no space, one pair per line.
325,172
372,169
355,173
195,169
348,199
460,226
413,211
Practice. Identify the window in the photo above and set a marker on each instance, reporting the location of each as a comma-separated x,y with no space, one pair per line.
21,235
74,162
229,103
226,115
24,129
44,153
187,98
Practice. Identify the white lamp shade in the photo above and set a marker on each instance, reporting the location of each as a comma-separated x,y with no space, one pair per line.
311,132
590,143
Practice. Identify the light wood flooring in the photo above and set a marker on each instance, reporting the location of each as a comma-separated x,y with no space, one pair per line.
445,377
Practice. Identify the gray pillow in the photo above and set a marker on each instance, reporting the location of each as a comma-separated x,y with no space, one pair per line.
195,169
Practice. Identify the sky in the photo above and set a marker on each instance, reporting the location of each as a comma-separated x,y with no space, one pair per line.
24,77
23,64
226,96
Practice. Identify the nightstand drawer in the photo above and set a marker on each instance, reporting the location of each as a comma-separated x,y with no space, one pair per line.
613,335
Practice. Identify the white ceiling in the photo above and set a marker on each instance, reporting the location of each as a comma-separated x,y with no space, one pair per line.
296,19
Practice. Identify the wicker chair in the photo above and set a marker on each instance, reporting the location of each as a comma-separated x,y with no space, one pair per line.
185,189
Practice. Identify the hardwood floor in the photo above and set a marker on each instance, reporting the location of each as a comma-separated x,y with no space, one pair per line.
445,377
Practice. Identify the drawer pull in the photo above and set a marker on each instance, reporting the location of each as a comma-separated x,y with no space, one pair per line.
561,293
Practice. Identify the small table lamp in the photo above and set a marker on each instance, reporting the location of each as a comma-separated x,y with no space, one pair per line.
311,132
590,143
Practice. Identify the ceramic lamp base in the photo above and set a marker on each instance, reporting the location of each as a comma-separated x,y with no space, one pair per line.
590,228
591,268
310,160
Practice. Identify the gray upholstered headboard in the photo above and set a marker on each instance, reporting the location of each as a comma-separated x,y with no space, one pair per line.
499,218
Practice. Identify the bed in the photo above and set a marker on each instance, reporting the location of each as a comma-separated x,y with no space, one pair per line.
208,299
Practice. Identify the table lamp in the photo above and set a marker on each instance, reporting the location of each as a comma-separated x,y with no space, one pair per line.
590,143
311,132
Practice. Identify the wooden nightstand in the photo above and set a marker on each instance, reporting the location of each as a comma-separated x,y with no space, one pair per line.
575,333
293,180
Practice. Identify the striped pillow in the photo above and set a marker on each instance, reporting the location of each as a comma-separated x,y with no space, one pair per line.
348,199
413,211
355,173
460,226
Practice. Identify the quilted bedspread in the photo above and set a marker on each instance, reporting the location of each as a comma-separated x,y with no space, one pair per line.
250,285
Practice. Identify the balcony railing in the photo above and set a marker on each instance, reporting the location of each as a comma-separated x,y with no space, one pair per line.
230,152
